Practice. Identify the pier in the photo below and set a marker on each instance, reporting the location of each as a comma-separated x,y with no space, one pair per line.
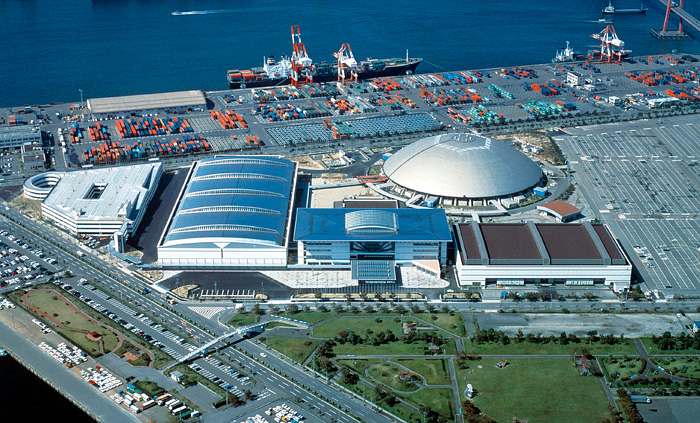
665,33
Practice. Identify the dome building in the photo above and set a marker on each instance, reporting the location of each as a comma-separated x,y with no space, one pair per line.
461,169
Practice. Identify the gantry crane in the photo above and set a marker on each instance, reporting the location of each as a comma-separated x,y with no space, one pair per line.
302,65
346,63
611,47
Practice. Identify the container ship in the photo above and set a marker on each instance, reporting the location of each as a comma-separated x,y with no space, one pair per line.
299,68
611,10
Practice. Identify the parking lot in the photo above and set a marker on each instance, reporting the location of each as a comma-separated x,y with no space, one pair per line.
642,178
21,263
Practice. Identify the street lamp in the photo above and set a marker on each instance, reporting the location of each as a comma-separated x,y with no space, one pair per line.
81,97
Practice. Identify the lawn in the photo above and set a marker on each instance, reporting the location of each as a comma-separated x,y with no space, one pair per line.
537,390
359,325
400,410
453,324
356,364
292,347
439,400
56,308
652,349
434,370
243,319
688,367
619,368
528,348
387,373
392,348
147,387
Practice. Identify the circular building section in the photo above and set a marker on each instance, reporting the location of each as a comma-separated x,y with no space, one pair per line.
38,187
461,167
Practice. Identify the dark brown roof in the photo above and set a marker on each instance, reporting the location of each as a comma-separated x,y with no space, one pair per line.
561,208
567,241
509,241
468,242
608,242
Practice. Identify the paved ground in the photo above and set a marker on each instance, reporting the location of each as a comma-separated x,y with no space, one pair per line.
670,410
631,325
156,217
641,178
229,281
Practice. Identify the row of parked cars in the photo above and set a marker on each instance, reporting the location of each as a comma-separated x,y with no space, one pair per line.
16,267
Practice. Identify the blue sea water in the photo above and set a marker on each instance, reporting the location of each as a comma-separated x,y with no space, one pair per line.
51,49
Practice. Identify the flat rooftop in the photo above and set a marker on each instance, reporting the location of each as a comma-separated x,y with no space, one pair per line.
537,243
100,194
192,98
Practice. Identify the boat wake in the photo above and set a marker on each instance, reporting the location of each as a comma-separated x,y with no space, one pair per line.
202,12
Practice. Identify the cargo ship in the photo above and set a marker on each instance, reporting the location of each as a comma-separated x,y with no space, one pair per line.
610,10
282,72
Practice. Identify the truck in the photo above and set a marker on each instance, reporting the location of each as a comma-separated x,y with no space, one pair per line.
163,398
148,404
135,409
171,402
174,405
178,410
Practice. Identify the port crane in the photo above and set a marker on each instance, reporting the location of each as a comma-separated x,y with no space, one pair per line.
302,65
611,47
346,63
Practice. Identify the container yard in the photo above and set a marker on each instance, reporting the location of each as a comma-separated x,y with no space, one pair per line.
380,109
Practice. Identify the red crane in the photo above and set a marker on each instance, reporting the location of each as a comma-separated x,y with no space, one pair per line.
346,63
302,65
611,47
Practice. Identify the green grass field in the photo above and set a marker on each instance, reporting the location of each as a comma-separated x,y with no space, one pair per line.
356,364
453,324
393,348
243,319
400,410
293,348
439,400
688,367
652,349
618,368
56,308
359,325
434,370
527,348
538,390
388,374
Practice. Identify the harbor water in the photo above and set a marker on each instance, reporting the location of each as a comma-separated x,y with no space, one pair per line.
52,49
24,397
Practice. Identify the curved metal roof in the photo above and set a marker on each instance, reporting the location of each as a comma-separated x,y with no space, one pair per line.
234,200
462,166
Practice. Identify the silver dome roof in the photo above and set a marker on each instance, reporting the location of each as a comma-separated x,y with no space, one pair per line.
462,165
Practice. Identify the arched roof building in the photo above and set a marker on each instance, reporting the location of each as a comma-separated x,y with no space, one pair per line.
233,211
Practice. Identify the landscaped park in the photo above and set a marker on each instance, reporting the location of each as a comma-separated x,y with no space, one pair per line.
416,364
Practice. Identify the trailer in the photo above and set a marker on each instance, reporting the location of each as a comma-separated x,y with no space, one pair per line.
174,404
135,409
171,402
163,398
178,410
148,404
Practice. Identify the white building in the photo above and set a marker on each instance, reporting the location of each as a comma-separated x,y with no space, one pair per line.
144,104
233,212
96,201
501,254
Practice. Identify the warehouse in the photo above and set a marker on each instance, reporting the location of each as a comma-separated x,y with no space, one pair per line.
97,201
516,254
146,104
232,212
373,241
17,136
460,170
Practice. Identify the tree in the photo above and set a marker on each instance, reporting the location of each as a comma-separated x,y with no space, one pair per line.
257,309
318,295
400,309
350,378
291,308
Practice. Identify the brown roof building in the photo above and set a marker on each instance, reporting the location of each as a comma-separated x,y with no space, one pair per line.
562,211
520,253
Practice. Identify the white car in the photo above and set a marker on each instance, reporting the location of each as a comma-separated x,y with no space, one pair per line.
263,355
